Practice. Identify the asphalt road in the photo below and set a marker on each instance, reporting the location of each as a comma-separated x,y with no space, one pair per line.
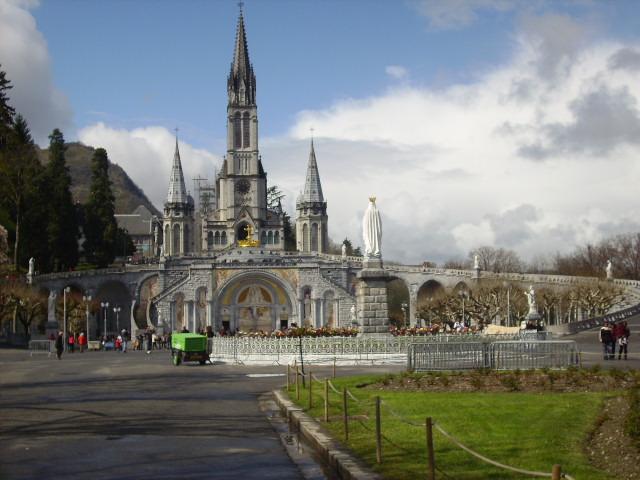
591,348
108,415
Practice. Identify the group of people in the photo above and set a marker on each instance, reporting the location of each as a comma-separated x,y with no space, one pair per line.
72,340
612,335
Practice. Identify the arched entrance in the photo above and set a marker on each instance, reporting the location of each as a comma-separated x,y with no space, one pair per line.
117,315
255,301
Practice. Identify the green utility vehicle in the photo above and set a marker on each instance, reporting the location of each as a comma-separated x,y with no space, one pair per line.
188,347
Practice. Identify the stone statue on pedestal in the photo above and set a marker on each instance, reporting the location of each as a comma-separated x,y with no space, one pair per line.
531,298
609,270
372,231
344,252
352,315
476,262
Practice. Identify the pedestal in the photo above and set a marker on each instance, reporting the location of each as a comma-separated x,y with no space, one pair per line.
371,297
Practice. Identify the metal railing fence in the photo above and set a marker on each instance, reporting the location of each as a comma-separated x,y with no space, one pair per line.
499,355
41,346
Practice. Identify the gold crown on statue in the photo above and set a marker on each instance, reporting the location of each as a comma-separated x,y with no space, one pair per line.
372,199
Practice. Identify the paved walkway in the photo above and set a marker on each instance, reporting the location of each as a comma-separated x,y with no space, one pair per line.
107,415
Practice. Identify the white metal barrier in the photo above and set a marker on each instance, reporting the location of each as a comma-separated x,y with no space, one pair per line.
41,346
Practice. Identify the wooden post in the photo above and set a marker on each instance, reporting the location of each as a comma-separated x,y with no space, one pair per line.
310,391
288,373
297,384
378,432
334,367
431,462
326,400
346,414
556,472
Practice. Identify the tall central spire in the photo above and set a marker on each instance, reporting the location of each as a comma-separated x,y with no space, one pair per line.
241,84
312,186
177,189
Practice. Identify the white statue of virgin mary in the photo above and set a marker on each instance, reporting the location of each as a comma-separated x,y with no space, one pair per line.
372,230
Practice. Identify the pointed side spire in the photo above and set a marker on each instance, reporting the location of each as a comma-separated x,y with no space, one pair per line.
241,84
312,186
177,188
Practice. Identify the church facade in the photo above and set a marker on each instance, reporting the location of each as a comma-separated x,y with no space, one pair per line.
224,264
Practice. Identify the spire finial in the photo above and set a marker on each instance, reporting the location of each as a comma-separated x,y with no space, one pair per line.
240,5
311,130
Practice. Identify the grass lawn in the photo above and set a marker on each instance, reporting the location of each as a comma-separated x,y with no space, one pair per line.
524,430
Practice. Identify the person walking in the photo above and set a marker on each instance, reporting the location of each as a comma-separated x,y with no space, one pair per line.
125,337
59,345
607,340
82,341
72,342
623,340
148,340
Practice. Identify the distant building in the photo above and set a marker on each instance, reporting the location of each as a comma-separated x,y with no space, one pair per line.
144,228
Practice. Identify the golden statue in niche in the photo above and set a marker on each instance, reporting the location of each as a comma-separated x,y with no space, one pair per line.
248,241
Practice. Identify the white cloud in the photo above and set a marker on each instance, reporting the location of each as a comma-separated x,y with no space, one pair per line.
456,14
146,154
539,154
25,59
397,72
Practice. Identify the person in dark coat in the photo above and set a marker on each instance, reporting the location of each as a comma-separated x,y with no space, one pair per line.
59,345
623,340
608,341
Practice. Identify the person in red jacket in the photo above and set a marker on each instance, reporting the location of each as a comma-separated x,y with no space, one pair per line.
71,342
82,341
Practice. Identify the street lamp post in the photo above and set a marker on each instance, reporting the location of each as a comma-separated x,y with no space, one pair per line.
463,296
105,307
64,315
87,299
116,310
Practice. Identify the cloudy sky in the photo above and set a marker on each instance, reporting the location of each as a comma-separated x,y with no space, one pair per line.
478,122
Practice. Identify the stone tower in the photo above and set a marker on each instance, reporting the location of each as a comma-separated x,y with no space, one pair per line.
311,222
242,217
178,220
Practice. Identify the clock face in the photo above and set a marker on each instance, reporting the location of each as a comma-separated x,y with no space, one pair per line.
243,187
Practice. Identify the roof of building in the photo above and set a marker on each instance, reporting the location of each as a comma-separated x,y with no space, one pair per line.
177,189
312,186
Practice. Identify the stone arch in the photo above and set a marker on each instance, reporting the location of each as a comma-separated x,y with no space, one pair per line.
241,231
428,291
270,237
237,131
276,238
223,238
167,240
397,296
255,300
246,130
263,238
211,240
461,286
143,313
116,294
177,312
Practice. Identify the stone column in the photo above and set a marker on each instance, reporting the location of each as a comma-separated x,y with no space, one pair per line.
371,297
132,324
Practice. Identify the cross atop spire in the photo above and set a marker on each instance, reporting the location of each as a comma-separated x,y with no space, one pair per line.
241,84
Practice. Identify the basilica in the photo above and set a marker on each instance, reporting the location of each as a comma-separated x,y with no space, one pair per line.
224,264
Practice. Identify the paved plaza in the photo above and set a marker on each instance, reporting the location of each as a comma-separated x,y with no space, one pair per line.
104,415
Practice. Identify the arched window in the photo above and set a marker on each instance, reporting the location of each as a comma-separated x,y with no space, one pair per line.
223,238
175,247
305,238
185,244
246,130
276,238
210,240
263,238
237,131
216,238
314,237
270,238
167,240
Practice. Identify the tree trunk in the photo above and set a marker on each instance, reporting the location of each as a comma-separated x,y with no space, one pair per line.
16,245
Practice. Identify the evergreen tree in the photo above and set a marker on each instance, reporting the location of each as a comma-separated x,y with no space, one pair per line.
100,230
18,167
62,228
289,233
6,111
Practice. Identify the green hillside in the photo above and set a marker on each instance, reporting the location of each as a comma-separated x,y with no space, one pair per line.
128,195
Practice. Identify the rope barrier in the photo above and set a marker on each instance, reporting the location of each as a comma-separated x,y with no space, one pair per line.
352,397
493,462
334,388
